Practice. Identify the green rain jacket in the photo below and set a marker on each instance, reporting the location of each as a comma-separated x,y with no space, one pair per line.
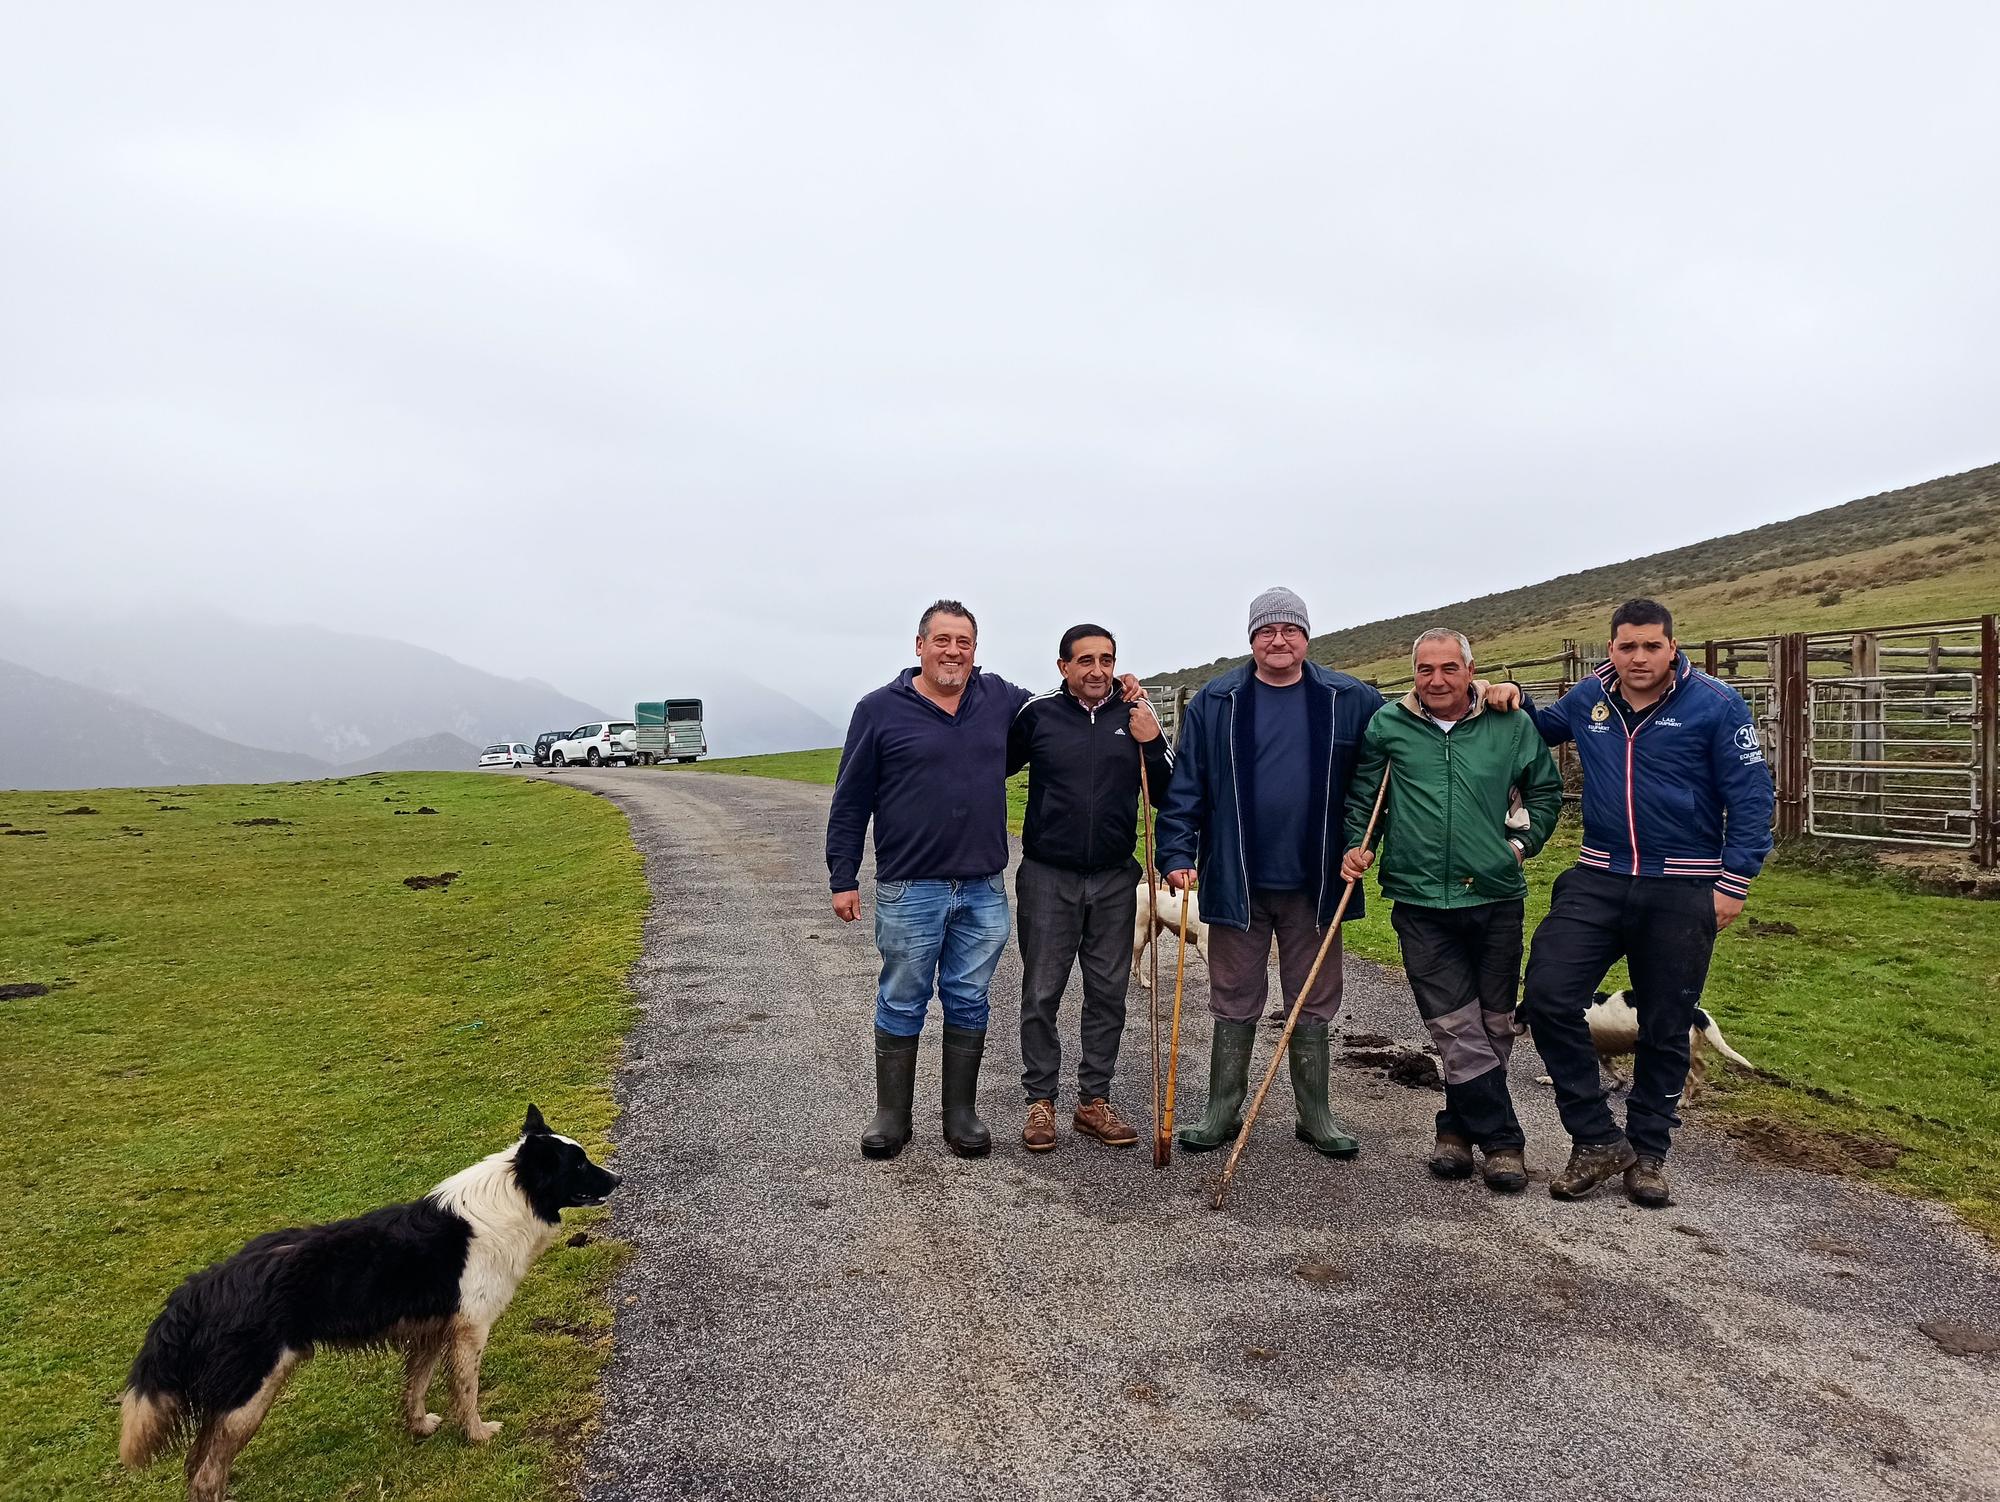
1443,838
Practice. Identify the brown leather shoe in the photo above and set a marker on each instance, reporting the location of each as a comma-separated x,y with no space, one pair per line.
1039,1135
1505,1170
1590,1166
1095,1118
1451,1158
1646,1183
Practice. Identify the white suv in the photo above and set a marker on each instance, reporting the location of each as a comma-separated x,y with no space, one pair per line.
602,743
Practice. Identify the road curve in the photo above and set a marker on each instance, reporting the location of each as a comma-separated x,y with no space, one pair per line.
800,1323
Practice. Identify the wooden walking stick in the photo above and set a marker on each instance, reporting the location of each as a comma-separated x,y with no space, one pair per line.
1163,1147
1292,1019
1153,996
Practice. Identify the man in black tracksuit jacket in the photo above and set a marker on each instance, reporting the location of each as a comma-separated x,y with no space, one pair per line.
1074,891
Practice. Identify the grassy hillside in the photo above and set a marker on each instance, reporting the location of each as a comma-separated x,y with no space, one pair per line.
251,1022
1865,1002
1927,552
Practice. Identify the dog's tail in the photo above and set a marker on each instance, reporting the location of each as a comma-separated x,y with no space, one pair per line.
162,1403
1712,1036
152,1425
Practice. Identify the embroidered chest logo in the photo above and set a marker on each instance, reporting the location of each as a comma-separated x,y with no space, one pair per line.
1599,712
1119,731
1670,720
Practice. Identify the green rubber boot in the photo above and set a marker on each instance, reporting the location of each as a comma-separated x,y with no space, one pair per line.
1317,1127
1228,1083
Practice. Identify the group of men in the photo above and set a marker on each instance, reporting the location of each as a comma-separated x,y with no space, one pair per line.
1265,804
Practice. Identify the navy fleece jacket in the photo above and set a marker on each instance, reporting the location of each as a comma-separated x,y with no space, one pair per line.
935,784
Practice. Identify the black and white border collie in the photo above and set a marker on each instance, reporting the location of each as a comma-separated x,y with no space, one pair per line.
427,1278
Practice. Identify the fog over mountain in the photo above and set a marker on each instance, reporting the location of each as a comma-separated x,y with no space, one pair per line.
61,735
342,697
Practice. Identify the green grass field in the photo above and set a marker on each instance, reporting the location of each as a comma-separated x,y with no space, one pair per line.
255,1025
1873,1021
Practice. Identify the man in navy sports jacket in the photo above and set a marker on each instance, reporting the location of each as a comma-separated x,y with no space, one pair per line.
1677,804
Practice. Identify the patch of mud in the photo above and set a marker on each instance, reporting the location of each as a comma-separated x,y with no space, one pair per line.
1320,1274
1367,1040
1814,1150
1412,1068
23,831
173,808
423,883
1762,930
1955,1339
265,823
81,808
426,809
22,990
580,1238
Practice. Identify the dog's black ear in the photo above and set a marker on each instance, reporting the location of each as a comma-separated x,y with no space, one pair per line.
534,1126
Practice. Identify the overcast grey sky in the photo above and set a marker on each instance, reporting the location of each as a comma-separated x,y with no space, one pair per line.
745,330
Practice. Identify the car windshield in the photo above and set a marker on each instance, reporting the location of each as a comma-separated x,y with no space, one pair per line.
620,727
496,750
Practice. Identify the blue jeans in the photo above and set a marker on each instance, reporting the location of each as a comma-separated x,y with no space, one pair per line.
945,936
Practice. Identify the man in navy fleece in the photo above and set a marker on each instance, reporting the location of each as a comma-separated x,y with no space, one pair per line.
926,759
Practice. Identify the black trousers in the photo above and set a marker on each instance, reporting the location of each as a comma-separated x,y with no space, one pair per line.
1664,929
1464,965
1062,917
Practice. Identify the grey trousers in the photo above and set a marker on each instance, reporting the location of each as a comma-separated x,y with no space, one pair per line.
1238,959
1062,917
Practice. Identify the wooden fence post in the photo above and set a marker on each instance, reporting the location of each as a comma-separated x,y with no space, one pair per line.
1791,686
1986,846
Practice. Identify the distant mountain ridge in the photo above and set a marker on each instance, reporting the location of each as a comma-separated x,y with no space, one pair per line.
443,752
326,694
55,734
1815,558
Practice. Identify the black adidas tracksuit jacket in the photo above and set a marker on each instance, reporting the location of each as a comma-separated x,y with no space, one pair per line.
1083,780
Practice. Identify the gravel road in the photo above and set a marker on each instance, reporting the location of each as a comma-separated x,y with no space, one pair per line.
800,1323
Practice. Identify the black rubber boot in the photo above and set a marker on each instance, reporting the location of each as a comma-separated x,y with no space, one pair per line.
895,1085
964,1133
1308,1057
1228,1083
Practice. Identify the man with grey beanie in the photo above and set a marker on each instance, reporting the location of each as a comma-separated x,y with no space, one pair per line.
1260,780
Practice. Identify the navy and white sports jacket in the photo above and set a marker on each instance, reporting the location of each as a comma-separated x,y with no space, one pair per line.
1686,794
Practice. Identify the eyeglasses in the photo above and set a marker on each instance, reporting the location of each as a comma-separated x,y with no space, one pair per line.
1265,635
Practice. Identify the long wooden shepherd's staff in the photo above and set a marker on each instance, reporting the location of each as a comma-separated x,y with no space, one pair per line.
1153,998
1163,1145
1292,1020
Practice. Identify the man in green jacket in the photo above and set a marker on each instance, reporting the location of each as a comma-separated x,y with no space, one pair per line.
1451,863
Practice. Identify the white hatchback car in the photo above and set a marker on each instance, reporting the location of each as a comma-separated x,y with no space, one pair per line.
602,743
506,754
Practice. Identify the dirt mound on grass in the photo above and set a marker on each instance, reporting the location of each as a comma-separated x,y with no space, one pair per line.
259,823
421,883
22,990
1813,1149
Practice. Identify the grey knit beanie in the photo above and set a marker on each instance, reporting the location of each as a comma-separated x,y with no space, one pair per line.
1278,606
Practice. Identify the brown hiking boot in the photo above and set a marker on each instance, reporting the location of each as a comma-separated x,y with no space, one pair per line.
1646,1183
1039,1135
1591,1166
1095,1118
1451,1158
1505,1170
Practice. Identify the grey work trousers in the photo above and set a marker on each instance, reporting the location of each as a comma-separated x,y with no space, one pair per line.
1238,959
1062,917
